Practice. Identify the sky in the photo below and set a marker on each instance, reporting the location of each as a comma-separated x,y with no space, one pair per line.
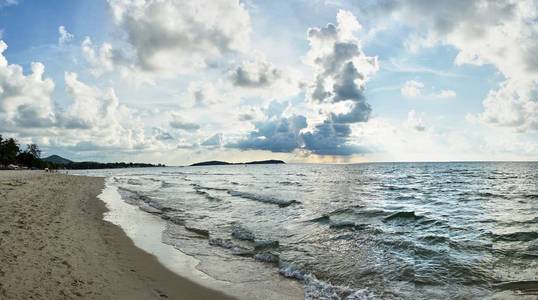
334,81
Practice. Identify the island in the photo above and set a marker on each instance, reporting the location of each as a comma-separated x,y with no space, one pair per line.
224,163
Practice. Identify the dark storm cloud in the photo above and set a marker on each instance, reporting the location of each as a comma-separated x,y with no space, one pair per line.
285,135
275,135
331,138
341,71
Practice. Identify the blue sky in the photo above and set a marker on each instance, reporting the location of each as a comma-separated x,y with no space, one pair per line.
305,81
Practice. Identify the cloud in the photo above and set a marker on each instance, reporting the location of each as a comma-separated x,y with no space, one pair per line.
96,120
25,100
402,66
483,32
446,17
4,3
341,67
275,135
30,116
415,89
188,146
179,123
412,89
501,33
397,141
286,135
276,108
341,70
178,37
64,36
330,138
414,121
105,59
203,94
254,74
199,97
247,116
89,104
514,105
213,141
511,106
100,60
249,113
161,134
258,77
445,94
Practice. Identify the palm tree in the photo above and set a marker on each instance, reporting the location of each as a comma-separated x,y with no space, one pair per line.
9,149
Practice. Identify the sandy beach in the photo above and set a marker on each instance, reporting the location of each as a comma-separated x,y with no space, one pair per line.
54,244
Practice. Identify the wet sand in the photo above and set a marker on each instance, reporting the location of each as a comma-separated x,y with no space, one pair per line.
54,244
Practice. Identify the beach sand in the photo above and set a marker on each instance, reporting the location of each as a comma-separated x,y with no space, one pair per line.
54,244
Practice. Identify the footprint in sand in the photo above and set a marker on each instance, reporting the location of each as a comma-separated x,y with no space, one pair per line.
160,293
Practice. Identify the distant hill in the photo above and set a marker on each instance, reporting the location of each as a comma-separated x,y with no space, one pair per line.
115,165
223,163
210,163
56,159
264,162
69,164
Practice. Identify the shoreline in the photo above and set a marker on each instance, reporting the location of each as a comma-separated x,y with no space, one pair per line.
55,244
233,276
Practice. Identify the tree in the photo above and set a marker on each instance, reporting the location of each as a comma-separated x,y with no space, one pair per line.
9,150
11,153
2,152
33,150
26,159
30,157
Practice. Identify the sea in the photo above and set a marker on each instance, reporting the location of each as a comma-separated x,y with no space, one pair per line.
453,230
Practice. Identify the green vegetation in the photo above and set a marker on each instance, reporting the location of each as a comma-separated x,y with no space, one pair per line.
116,165
11,154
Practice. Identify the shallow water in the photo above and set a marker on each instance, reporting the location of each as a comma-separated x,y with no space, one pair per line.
391,230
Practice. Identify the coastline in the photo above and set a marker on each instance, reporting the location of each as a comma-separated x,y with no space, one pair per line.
238,277
54,244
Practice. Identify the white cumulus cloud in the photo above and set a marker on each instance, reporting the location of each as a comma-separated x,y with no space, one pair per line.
25,100
179,36
414,121
416,89
412,89
64,36
501,33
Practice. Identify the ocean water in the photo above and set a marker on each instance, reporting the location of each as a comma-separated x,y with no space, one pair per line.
365,231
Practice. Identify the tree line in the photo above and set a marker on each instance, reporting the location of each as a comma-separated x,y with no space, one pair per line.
115,165
11,153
